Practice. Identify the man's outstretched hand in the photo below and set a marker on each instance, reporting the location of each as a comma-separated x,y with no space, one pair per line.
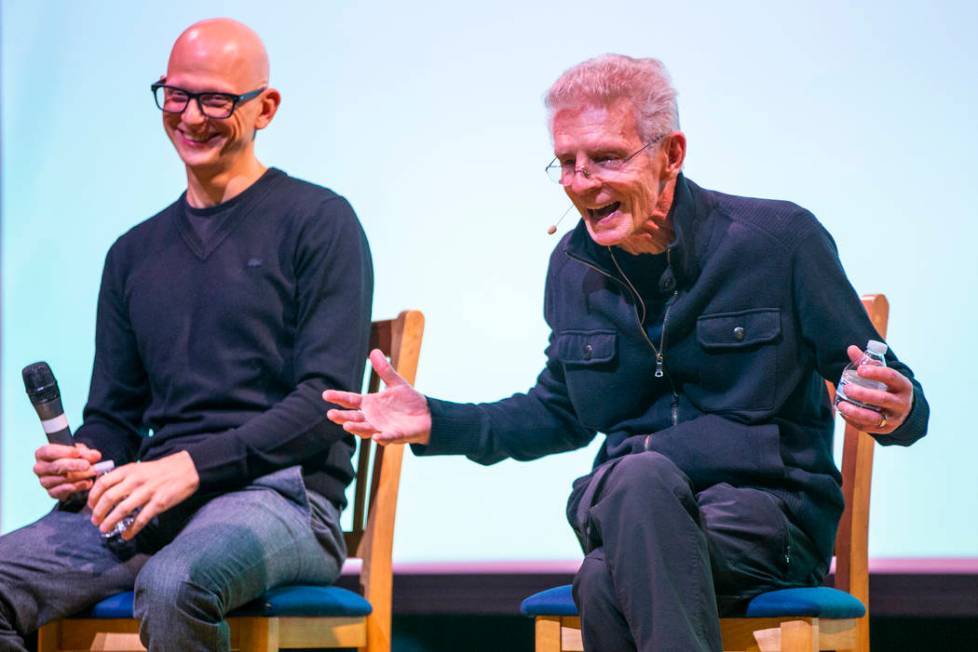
397,415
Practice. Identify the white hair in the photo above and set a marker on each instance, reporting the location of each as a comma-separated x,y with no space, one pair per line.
606,79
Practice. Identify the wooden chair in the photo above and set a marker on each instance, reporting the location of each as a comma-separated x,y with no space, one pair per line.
300,616
788,620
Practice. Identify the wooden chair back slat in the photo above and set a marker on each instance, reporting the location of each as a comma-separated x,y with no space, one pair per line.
852,538
384,335
400,340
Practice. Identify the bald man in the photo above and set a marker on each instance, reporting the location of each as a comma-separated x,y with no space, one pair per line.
220,322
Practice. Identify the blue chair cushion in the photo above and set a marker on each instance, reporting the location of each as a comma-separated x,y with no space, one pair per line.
557,601
114,606
296,600
821,602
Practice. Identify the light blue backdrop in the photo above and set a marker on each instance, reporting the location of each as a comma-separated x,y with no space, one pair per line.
429,119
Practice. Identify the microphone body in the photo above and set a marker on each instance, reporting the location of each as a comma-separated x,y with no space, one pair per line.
42,390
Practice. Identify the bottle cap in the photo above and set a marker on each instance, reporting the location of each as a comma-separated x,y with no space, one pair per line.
101,468
879,348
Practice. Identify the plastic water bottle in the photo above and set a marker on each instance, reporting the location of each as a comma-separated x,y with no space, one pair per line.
873,355
115,533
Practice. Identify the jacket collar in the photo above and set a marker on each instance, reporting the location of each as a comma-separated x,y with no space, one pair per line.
690,207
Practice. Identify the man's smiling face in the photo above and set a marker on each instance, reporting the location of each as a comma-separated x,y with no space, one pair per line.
202,62
627,208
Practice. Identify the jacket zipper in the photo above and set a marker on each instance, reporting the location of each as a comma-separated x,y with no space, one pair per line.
658,352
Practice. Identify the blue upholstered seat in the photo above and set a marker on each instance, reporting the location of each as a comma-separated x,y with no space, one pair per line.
557,601
820,602
296,600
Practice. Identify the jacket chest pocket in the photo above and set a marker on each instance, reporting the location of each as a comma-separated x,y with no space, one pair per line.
590,360
739,369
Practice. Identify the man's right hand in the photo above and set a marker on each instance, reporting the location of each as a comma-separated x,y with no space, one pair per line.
65,470
397,415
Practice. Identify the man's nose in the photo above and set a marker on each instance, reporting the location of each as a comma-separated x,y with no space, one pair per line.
192,113
583,180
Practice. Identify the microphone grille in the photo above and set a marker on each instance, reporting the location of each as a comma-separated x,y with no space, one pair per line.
39,381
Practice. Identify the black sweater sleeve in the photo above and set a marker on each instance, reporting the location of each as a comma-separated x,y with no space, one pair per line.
522,427
119,391
821,290
334,295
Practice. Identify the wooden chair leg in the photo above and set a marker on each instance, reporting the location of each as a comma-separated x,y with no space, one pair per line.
862,634
49,637
766,640
799,636
548,634
116,642
258,635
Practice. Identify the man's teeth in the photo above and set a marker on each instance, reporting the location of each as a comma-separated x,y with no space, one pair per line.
197,139
604,211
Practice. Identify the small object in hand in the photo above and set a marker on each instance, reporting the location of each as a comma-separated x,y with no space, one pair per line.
115,534
874,355
101,468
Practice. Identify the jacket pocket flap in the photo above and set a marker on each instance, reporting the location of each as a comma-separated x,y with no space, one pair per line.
734,330
586,347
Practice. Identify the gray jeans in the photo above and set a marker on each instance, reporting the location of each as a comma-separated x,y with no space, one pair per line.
187,574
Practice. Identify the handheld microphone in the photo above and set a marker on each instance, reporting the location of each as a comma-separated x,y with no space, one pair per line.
42,390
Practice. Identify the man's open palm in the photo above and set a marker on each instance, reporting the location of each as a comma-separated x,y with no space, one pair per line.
397,415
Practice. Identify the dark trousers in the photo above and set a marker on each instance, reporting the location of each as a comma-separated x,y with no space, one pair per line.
664,561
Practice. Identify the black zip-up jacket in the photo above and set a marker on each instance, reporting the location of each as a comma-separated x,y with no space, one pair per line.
758,313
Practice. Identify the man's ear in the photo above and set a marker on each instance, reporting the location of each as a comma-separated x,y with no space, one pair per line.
269,102
675,148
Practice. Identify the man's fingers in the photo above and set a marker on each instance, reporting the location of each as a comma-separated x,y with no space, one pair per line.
105,484
56,484
860,417
149,511
49,482
52,452
123,509
360,429
89,454
63,467
892,378
854,352
892,403
384,369
63,491
344,399
344,416
78,476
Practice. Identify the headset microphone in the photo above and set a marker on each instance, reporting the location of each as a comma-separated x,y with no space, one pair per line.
553,227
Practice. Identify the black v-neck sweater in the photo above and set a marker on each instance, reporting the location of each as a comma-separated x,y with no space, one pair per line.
222,347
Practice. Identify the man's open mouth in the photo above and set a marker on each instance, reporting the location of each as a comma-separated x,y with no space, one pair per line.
604,211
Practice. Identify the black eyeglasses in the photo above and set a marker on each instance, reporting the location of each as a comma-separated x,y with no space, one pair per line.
171,99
